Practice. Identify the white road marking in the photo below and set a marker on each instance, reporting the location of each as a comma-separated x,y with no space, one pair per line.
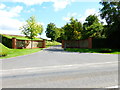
46,68
113,87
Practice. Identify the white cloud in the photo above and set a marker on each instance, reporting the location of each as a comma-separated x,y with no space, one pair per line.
90,11
2,6
81,18
61,4
8,23
57,4
31,10
44,7
13,12
69,15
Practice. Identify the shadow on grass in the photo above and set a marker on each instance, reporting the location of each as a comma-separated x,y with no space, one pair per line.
102,50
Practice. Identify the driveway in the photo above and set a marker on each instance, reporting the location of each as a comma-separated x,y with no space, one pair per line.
54,56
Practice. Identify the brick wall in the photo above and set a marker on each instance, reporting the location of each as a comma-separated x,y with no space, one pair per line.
19,44
86,43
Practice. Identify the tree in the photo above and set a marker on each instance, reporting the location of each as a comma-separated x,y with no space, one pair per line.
31,29
72,30
92,27
111,13
52,31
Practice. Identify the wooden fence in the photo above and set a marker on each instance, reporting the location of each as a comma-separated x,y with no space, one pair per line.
20,44
86,43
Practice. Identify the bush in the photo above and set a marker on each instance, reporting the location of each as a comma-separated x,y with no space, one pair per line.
52,43
3,50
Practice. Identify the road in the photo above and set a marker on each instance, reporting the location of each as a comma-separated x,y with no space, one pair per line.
55,68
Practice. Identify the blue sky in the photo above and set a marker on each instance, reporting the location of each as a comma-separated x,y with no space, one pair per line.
14,13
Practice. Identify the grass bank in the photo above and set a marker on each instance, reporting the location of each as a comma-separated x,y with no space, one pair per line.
19,37
52,43
20,52
102,50
3,50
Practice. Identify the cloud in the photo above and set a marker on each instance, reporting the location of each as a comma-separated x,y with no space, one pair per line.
69,15
57,4
2,6
90,11
61,4
8,23
81,18
31,10
12,12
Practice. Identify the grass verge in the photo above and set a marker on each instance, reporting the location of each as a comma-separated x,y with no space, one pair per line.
3,50
52,43
20,52
102,50
19,37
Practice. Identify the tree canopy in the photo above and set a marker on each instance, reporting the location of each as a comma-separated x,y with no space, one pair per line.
52,31
111,13
92,27
31,29
72,30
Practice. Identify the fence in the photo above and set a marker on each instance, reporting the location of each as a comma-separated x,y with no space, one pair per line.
19,44
86,43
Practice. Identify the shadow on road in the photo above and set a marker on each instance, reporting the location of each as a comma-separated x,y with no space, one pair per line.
57,48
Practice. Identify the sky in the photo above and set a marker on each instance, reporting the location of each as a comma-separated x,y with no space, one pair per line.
14,13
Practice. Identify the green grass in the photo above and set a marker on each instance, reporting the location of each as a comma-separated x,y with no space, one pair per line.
52,43
3,50
19,37
112,51
20,52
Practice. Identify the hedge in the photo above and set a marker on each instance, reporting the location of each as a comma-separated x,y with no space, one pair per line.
105,43
6,41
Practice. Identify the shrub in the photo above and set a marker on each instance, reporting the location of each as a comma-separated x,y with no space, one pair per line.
3,50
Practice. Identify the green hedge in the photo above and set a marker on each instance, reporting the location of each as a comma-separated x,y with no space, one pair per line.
6,41
105,43
99,43
3,50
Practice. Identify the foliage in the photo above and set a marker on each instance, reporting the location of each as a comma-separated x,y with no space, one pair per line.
92,27
3,50
72,30
31,29
111,13
52,43
52,31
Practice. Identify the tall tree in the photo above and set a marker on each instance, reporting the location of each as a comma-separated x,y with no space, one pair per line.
52,31
111,13
72,30
92,27
31,29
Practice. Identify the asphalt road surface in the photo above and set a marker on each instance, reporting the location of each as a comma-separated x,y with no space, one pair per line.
55,68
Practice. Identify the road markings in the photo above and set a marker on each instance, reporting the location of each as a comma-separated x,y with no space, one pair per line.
113,87
48,68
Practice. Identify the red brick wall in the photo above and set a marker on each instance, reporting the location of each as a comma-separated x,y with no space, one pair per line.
86,43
